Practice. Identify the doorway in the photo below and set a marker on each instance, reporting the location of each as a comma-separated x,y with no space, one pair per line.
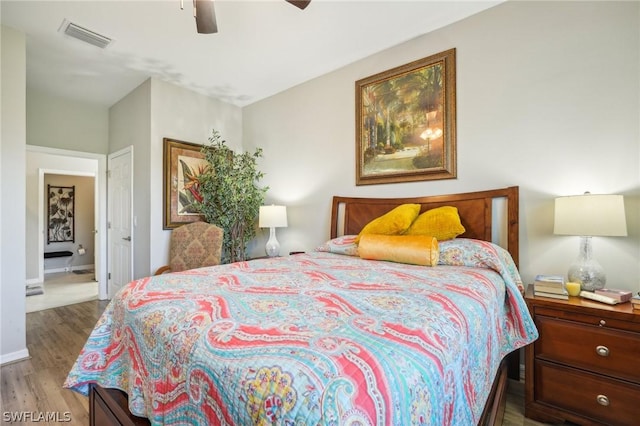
69,238
43,161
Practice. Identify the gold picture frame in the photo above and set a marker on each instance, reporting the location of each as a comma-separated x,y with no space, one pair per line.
183,163
406,122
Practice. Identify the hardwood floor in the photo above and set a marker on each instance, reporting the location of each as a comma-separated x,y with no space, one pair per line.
34,386
56,336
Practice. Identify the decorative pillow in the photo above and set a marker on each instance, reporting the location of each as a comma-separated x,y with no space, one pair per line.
394,222
342,245
412,249
443,223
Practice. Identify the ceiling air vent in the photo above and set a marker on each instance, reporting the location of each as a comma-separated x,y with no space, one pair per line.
81,33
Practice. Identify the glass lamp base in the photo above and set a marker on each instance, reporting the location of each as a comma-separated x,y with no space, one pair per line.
586,270
273,246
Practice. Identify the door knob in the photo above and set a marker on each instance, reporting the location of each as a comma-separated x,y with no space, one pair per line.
127,238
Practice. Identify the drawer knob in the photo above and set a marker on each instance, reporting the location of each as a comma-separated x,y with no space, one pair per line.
602,400
603,323
602,350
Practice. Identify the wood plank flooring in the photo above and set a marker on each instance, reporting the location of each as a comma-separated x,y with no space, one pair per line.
55,338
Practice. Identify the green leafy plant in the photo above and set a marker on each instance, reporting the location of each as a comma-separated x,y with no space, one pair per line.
231,197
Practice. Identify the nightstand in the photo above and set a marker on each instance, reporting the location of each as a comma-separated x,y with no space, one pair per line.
585,366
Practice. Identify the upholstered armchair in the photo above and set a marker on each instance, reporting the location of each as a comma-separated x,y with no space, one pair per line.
194,245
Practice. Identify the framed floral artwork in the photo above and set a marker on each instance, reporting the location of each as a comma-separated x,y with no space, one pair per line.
60,214
183,164
406,122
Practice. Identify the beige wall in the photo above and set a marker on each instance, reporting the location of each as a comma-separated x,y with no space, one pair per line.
61,123
188,116
130,125
13,344
547,99
84,223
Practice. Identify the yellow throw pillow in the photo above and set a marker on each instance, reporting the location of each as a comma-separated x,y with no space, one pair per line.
443,223
412,249
394,222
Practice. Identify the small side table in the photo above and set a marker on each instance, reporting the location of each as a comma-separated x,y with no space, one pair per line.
585,366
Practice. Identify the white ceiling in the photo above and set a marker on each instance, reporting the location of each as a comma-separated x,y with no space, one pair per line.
262,47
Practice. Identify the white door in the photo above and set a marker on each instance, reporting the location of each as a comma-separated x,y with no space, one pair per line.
119,219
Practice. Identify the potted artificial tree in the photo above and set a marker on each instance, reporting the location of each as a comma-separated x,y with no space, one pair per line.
231,197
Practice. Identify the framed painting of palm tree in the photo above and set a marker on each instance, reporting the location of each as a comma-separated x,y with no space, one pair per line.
183,164
406,122
60,214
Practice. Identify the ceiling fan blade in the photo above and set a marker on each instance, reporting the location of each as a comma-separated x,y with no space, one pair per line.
205,16
299,3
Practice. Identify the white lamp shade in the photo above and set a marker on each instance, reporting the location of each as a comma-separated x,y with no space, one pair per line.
590,215
272,217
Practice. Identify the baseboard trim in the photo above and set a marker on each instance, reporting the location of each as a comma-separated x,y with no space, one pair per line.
68,269
14,356
33,281
54,270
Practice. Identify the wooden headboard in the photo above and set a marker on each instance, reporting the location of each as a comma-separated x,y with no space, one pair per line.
350,214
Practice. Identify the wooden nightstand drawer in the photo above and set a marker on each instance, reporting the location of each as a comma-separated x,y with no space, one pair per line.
600,350
587,395
602,317
585,366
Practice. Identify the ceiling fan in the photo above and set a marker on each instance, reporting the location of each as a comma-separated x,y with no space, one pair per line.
205,14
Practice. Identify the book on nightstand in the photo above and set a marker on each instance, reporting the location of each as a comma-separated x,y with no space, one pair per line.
563,296
550,286
619,295
543,289
635,302
549,281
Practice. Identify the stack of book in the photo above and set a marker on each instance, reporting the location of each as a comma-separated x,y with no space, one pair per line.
635,302
550,286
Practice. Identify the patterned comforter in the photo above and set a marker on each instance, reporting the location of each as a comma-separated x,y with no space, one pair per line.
312,339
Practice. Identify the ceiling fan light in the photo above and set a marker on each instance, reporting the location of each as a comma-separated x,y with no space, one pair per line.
301,4
205,15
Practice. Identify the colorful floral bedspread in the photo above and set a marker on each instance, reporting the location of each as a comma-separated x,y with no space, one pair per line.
312,339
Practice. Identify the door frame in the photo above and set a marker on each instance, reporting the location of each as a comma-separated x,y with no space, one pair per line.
100,204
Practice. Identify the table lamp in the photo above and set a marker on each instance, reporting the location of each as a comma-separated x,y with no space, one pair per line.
272,217
587,216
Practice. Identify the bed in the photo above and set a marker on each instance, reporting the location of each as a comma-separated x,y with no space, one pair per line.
321,337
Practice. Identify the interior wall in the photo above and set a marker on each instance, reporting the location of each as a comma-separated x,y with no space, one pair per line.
129,125
142,119
13,345
187,116
84,216
548,98
56,122
62,124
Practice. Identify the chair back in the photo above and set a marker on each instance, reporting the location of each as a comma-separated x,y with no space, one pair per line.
195,245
